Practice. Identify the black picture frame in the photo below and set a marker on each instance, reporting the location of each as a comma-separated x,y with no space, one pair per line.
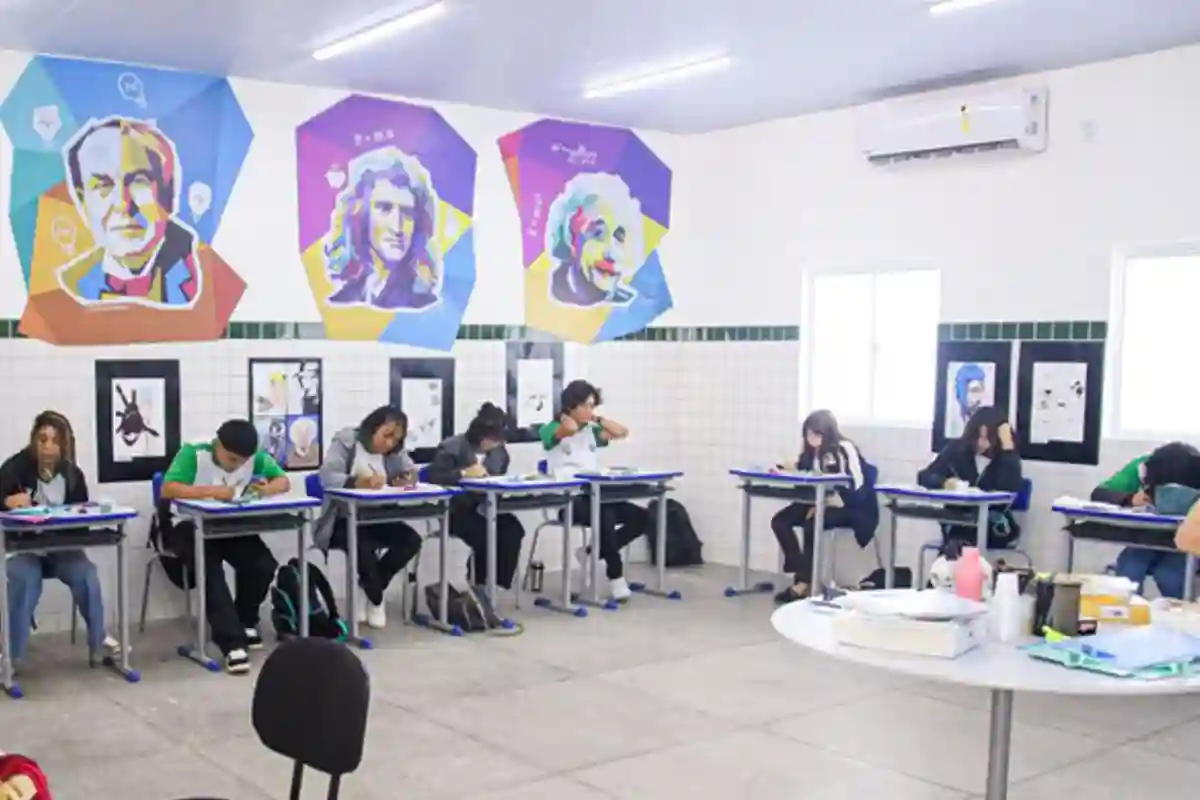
998,354
1090,354
514,353
110,420
442,369
275,411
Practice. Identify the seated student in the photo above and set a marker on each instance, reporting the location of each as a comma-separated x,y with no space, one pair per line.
44,473
370,456
229,466
571,445
476,454
985,457
1134,485
825,450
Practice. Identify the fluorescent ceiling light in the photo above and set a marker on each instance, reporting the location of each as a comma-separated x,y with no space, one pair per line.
950,6
383,30
670,74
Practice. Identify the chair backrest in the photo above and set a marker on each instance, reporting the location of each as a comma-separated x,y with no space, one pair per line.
544,467
313,487
310,705
1021,502
423,473
156,483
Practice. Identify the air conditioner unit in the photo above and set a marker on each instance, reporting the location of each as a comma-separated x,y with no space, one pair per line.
1001,120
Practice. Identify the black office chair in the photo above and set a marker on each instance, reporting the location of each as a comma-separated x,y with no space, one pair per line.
310,705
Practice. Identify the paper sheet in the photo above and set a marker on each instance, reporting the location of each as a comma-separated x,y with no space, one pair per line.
535,387
1059,402
139,425
970,385
421,401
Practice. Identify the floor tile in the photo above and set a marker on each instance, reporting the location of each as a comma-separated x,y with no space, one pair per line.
1121,774
170,774
1180,741
549,789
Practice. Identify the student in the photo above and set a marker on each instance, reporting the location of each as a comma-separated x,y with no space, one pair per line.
476,454
1134,486
985,457
571,445
229,466
370,456
825,450
44,473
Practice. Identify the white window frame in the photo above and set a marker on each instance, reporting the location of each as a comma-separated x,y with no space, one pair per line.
1115,343
806,364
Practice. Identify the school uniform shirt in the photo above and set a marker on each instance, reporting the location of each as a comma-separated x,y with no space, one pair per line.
20,474
196,465
858,499
52,492
573,454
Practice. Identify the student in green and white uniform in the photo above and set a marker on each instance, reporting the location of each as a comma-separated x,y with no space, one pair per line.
228,467
572,445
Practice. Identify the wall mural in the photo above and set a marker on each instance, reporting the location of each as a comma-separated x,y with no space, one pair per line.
387,193
120,177
285,405
594,203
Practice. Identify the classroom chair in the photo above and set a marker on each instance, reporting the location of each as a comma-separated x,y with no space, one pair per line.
1020,505
163,557
870,477
310,705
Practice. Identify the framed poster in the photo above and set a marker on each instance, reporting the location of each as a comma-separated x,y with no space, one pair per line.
1060,388
423,388
285,406
535,382
137,418
970,376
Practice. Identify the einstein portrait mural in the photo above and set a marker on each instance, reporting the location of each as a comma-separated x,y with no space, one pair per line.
594,203
120,177
386,194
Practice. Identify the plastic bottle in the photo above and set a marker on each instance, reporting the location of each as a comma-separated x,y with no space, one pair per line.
968,574
1006,607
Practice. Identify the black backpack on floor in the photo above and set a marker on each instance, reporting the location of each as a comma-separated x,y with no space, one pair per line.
683,545
323,619
463,608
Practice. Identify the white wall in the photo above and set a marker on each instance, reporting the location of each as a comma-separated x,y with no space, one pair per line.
1017,238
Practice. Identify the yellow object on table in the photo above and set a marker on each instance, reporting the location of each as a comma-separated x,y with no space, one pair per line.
1111,609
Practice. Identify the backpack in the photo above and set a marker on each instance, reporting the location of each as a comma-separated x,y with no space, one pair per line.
323,617
22,779
683,545
463,608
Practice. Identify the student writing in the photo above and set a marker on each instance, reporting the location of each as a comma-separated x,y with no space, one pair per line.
370,456
223,469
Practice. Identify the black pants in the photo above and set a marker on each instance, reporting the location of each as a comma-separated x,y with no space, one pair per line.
470,526
383,550
784,523
229,613
620,523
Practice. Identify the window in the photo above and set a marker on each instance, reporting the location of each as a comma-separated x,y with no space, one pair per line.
1152,385
869,345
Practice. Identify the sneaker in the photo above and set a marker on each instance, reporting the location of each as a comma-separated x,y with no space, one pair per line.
792,593
253,639
619,590
237,662
111,647
360,606
376,615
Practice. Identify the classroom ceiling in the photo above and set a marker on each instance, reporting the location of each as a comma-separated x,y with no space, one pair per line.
790,56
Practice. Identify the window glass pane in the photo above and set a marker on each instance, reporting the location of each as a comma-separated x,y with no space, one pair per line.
840,345
906,320
1159,382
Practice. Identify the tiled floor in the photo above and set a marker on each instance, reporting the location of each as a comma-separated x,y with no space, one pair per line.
695,699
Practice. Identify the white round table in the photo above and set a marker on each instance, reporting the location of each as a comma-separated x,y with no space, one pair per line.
999,668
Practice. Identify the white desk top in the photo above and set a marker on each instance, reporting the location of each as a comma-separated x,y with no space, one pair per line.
277,503
991,666
394,494
969,496
518,484
1107,512
68,516
789,477
617,475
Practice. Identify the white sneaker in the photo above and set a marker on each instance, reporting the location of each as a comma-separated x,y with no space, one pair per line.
237,662
619,589
360,606
112,647
376,614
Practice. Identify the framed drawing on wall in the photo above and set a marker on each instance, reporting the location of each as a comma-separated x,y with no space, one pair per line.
137,418
285,405
970,375
535,381
1059,390
423,388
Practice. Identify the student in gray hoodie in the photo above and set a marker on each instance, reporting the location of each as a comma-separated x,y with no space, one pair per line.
475,454
370,456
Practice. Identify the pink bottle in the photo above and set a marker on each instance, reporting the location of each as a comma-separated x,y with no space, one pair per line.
968,574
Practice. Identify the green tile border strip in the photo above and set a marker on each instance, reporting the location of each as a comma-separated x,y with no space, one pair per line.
1041,331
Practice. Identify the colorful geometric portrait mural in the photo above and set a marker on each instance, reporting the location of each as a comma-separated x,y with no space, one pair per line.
594,204
387,192
120,177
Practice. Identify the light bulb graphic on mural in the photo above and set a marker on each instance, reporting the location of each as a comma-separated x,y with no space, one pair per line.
47,122
130,87
65,234
336,176
200,197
